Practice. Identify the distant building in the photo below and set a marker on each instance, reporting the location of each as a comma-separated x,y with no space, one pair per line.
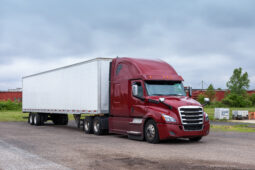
11,94
219,94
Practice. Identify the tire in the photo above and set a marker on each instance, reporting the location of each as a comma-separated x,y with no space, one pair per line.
195,139
37,119
88,125
151,132
31,119
97,126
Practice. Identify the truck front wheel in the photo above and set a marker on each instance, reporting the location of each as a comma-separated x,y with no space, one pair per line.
151,132
88,125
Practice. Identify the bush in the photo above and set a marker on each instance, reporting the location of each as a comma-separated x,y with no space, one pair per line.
210,92
236,100
215,104
9,105
252,99
200,98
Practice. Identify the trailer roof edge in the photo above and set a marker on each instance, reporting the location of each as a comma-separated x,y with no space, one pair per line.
64,67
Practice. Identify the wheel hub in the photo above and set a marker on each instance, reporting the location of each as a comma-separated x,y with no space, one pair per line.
87,126
35,121
96,126
30,119
150,131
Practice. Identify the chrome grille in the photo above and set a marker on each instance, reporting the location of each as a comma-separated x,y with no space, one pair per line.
192,118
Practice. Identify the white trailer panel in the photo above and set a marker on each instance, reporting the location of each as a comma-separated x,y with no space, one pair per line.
78,88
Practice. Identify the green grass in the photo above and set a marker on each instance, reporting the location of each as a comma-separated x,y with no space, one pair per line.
232,128
12,116
210,111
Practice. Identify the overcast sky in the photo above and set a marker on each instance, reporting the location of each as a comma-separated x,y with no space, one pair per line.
202,39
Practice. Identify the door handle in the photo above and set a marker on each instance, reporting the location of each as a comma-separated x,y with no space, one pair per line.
132,109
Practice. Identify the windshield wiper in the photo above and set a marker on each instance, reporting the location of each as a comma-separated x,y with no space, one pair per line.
157,95
166,95
174,94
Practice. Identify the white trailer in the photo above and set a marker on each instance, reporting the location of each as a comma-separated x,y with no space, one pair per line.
221,113
81,88
240,114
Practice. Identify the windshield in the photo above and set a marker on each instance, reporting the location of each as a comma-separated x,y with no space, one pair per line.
165,88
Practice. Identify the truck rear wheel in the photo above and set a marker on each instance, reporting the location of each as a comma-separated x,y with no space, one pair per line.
88,125
151,132
31,119
97,126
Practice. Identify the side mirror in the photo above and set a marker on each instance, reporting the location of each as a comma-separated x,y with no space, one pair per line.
134,90
162,99
190,91
206,100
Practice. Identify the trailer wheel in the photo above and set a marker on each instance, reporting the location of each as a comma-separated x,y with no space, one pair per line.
195,139
151,132
97,126
31,119
88,125
37,119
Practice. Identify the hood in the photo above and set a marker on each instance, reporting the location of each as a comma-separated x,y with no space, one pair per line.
177,101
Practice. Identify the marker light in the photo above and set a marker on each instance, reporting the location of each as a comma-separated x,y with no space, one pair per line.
206,117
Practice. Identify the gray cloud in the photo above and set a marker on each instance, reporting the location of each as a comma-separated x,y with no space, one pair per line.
177,31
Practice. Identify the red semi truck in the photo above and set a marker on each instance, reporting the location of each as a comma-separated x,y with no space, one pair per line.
140,98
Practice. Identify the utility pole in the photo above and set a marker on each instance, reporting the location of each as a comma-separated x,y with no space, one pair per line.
202,85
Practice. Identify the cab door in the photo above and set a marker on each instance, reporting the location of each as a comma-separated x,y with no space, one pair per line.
137,103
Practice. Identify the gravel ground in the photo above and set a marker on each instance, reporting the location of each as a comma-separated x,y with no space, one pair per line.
65,147
249,123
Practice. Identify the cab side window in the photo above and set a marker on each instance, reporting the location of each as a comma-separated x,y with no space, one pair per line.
140,89
118,69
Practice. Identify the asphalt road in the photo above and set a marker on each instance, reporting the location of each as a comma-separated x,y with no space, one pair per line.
23,146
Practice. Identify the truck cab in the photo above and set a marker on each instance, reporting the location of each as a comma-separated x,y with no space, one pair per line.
148,101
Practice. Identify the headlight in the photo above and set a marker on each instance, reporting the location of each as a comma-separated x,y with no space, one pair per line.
206,117
168,118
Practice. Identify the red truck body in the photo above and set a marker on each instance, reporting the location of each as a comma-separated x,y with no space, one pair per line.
129,114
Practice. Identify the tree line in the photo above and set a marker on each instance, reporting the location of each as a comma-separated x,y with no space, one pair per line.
236,96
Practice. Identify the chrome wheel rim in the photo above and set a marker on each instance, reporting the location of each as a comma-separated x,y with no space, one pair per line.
35,121
30,119
96,126
86,126
150,132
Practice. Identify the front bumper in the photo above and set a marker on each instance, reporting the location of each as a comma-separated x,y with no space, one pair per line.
168,131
